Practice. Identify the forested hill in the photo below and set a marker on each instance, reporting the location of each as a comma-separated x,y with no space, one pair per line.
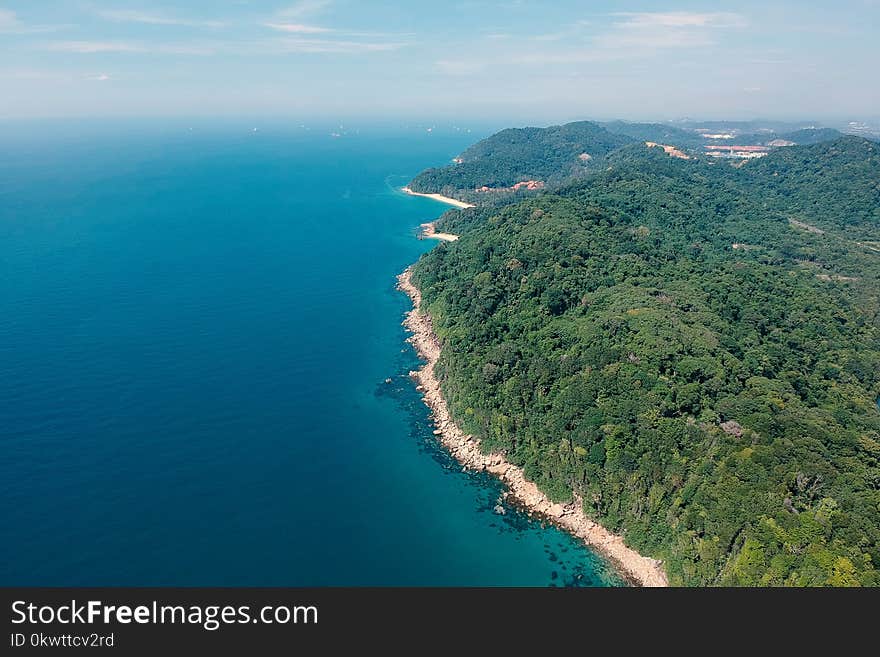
656,132
543,155
518,162
811,135
836,183
690,347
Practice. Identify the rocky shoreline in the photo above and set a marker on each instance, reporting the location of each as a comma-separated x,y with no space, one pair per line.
639,570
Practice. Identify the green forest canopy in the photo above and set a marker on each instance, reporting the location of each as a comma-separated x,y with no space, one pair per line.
561,154
550,155
691,347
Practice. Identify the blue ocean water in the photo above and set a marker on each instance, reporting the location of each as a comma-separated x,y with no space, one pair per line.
196,325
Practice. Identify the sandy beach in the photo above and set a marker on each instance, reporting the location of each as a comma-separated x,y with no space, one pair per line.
639,570
439,197
429,232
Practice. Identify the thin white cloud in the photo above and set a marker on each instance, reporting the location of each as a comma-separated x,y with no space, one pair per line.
572,56
51,75
279,46
306,37
11,24
150,18
572,31
459,67
551,36
304,8
679,19
310,38
653,40
637,35
300,36
674,29
9,21
331,46
29,74
332,33
298,28
96,47
195,49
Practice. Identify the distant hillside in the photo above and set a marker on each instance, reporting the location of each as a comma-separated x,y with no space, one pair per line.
519,161
834,184
741,127
811,135
800,137
547,155
656,132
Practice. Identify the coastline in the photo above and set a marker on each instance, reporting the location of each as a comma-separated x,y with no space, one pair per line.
429,232
638,569
439,197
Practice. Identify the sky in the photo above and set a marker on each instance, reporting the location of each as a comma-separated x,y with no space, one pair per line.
517,60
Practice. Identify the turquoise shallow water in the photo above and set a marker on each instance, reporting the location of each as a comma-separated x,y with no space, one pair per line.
195,330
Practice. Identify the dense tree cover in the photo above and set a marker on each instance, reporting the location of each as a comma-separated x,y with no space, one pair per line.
714,403
559,154
807,136
547,154
834,184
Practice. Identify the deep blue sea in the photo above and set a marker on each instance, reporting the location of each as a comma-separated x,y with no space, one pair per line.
196,325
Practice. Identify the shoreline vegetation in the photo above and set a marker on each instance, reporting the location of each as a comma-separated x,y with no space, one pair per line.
635,568
439,197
